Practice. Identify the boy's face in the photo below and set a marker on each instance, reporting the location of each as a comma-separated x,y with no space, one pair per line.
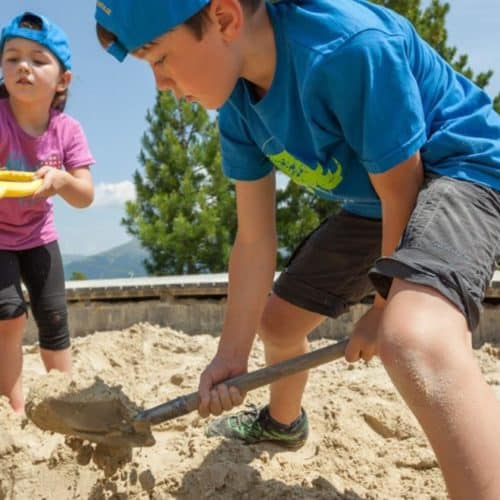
204,71
31,72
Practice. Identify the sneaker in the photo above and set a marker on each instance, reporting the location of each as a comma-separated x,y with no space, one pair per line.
256,425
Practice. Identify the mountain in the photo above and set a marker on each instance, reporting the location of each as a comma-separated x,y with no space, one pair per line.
123,261
71,257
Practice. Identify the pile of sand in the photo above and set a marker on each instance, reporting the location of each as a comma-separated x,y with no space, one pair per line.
364,444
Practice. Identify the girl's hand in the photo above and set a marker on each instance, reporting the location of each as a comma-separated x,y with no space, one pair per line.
363,343
53,180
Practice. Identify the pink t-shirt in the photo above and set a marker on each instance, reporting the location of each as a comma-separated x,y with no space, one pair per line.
26,222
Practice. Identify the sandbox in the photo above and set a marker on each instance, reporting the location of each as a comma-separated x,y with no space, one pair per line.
364,443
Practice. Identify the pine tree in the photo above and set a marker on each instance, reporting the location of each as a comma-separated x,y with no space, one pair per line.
184,211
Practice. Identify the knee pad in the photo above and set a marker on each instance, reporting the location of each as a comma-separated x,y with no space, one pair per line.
53,330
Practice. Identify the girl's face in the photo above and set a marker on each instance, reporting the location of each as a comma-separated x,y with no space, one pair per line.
32,74
204,70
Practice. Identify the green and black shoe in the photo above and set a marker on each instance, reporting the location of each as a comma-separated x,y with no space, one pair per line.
256,425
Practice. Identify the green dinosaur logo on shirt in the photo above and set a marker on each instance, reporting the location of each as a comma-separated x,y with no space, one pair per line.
310,177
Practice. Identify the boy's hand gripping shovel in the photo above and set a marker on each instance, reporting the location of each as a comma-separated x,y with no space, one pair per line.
246,382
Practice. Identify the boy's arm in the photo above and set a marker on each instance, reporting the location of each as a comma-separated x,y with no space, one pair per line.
251,270
397,189
252,265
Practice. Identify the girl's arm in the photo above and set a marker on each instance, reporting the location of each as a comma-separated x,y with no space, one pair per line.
75,186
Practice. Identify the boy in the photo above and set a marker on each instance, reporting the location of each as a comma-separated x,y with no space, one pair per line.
345,98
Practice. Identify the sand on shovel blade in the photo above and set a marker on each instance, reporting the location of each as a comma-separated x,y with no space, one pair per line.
89,410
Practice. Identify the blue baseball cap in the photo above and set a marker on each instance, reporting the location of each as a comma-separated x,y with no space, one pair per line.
137,22
49,36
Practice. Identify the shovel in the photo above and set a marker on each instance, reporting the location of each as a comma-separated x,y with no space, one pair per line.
185,404
107,422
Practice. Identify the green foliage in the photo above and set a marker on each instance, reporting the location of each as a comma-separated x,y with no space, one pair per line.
184,213
78,276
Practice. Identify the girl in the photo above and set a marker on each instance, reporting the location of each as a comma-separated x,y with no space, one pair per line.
36,136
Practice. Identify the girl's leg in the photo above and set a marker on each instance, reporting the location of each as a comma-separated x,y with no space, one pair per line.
12,324
425,345
57,360
43,274
11,361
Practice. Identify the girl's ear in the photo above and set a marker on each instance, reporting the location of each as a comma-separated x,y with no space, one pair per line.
64,81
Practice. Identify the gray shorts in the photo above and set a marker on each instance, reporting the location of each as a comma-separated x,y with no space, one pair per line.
450,244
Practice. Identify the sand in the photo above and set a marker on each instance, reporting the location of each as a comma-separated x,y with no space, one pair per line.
364,443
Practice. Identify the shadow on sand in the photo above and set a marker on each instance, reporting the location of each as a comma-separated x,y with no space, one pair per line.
217,479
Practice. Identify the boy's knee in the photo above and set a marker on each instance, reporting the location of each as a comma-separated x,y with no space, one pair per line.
422,362
405,345
271,330
421,329
267,329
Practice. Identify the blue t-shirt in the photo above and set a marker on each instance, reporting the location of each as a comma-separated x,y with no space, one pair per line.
357,91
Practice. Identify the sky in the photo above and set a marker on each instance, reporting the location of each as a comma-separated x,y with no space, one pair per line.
110,100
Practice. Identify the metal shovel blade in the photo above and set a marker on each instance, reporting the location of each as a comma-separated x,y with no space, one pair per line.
105,419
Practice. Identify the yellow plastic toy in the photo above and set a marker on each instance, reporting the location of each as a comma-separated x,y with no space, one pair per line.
16,184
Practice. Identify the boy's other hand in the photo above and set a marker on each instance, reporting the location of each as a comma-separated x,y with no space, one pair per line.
216,398
363,343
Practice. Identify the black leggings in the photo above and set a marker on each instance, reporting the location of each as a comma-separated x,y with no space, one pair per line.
41,270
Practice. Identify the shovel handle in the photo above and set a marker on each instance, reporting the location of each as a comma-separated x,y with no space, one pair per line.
246,382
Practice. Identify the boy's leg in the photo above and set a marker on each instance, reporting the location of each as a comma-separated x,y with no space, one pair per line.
424,343
43,274
437,278
324,277
284,331
326,274
11,361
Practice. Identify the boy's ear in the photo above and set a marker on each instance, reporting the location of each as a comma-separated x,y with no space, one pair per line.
228,16
64,81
